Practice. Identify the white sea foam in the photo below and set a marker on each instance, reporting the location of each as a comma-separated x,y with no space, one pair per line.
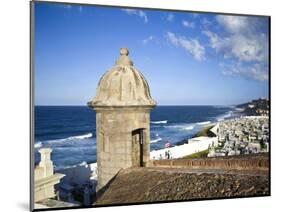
71,138
181,126
188,128
239,109
38,144
156,140
89,135
223,117
73,148
84,163
176,126
159,122
203,123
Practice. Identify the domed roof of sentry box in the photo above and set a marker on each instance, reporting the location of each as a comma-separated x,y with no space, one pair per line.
122,85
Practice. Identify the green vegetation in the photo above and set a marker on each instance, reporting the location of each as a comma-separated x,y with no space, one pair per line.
202,154
263,145
259,107
205,132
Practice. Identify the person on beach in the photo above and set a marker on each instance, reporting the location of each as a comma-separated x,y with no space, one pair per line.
169,154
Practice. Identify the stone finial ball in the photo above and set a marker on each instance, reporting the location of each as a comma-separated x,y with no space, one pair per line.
124,51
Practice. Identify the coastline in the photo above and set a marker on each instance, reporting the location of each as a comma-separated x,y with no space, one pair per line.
205,131
200,141
198,150
197,144
191,146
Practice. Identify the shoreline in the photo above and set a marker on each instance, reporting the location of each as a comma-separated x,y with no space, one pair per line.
191,146
175,135
233,114
195,145
178,144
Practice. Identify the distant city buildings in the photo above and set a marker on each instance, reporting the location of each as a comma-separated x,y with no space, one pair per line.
257,107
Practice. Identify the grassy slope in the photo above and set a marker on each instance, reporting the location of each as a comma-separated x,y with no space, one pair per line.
205,132
202,154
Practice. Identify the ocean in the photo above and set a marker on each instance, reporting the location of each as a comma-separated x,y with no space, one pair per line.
70,130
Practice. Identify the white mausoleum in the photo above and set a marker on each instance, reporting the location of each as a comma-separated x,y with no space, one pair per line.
44,177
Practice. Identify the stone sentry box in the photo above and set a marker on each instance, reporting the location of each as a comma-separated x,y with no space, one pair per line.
122,104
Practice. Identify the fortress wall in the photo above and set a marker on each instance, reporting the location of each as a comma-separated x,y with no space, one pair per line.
215,163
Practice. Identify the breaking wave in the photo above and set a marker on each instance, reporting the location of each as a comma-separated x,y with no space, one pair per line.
188,128
38,144
159,122
71,138
156,140
203,123
181,127
225,116
89,135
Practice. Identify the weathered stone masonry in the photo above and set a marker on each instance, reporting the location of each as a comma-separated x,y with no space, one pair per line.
244,163
122,104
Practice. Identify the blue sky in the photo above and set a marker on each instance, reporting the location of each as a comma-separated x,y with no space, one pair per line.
187,58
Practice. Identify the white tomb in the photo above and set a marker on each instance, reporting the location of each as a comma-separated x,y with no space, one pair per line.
44,177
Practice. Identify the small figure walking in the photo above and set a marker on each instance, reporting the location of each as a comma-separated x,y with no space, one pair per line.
168,154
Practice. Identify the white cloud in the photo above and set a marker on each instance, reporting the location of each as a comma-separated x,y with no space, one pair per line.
192,46
249,48
130,11
195,15
170,17
71,8
143,15
234,24
150,38
241,41
255,71
215,41
139,13
205,23
65,6
239,47
80,8
68,6
172,38
188,24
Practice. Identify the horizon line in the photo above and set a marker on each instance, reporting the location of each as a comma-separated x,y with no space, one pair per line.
156,105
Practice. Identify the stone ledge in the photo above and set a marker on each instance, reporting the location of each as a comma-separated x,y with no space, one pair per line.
254,162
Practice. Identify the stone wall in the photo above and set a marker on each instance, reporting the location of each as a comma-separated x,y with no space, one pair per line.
194,145
240,163
115,147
